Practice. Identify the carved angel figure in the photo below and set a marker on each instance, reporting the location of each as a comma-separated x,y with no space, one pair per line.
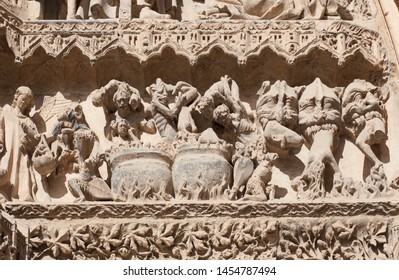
364,116
122,101
18,139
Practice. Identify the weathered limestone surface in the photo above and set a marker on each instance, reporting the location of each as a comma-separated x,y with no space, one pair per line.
210,130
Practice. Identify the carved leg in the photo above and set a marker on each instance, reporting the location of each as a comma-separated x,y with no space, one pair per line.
322,149
76,186
365,148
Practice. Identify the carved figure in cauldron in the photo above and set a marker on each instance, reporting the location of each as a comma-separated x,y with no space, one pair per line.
364,116
121,133
319,123
166,113
276,9
230,127
197,117
19,138
122,101
221,109
81,155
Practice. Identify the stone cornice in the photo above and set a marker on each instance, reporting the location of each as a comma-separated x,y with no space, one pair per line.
195,210
144,40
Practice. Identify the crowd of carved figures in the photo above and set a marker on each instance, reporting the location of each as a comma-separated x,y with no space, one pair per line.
214,9
211,145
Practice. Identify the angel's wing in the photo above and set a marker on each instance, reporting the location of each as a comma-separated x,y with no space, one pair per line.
54,106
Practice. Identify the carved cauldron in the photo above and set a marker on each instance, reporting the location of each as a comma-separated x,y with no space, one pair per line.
141,173
202,172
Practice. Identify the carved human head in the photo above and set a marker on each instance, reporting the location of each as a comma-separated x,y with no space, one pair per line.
134,102
222,115
319,109
122,128
363,109
362,93
23,100
75,114
205,106
278,102
122,98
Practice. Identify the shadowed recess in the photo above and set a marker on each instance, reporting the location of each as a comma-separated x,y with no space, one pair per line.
119,65
169,66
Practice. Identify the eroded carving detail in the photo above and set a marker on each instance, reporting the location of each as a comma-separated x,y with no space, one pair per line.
338,240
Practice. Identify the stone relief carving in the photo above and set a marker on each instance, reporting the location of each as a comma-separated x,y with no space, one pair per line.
278,10
19,148
319,121
161,9
251,239
277,116
144,40
157,9
199,166
122,104
199,133
81,154
364,116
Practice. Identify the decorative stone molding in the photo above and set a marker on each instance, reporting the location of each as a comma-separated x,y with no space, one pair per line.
242,210
143,39
254,238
